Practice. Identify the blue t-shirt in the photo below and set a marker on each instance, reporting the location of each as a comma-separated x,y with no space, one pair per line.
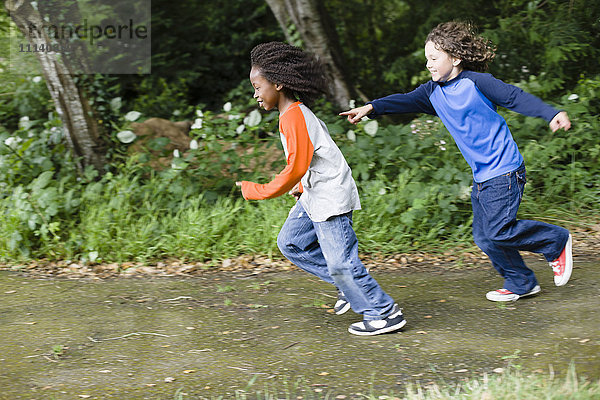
467,107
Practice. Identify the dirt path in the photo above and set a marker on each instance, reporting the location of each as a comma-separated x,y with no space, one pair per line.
208,336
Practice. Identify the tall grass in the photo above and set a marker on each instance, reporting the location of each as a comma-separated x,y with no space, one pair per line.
511,385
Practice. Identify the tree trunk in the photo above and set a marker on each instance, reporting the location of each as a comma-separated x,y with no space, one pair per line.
79,126
319,36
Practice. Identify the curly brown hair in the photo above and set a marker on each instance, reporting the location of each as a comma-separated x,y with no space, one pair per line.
461,40
299,72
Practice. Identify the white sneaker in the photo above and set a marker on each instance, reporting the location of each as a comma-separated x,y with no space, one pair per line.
507,295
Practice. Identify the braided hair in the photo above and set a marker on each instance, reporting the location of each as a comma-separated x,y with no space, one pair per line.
300,73
460,40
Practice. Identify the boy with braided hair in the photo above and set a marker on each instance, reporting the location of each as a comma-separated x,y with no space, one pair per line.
317,236
465,99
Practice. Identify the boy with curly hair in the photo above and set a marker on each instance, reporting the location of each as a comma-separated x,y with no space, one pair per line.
317,236
465,99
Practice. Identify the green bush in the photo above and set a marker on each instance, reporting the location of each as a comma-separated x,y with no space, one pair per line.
414,185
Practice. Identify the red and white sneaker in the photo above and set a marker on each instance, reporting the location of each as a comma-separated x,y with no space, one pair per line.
507,295
563,265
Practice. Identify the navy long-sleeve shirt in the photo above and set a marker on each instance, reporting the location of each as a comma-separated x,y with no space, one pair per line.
467,107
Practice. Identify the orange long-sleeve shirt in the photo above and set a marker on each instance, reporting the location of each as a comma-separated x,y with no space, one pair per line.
299,152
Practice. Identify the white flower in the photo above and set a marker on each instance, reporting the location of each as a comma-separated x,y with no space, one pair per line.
227,106
176,153
197,123
126,136
382,191
36,79
352,103
442,148
573,97
132,115
12,141
351,135
199,113
194,144
240,129
24,123
371,128
93,255
234,116
465,192
253,118
177,113
442,141
413,126
429,121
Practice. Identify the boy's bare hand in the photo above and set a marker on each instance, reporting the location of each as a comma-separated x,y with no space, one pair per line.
296,191
356,114
560,120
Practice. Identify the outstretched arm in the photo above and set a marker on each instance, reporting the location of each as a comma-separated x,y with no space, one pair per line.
560,120
416,101
356,114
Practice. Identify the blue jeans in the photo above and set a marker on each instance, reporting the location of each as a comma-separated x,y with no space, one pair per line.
500,235
329,250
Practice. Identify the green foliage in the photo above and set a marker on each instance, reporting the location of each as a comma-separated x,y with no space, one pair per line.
555,40
414,183
200,52
23,91
382,42
563,165
159,98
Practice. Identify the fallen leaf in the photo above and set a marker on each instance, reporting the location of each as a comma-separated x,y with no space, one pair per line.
150,384
584,340
462,370
169,379
189,371
323,373
442,301
498,370
428,316
84,396
10,292
105,371
422,332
